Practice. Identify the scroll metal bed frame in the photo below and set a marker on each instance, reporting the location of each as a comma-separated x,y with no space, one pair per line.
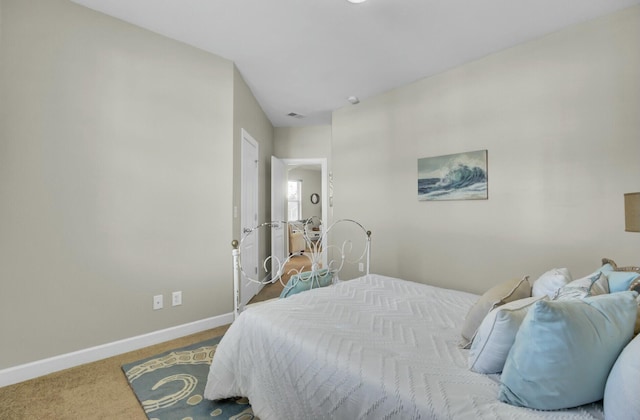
274,267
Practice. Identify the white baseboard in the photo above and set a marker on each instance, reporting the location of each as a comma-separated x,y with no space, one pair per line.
32,370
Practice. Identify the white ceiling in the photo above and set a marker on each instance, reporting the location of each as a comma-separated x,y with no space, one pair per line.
309,56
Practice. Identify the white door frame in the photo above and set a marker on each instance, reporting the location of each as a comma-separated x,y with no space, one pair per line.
249,289
324,189
279,231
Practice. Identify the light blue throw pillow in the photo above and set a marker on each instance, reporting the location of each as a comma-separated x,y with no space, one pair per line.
306,281
623,385
619,281
606,268
564,350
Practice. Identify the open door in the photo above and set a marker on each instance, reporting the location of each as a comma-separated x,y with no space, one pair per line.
278,210
249,215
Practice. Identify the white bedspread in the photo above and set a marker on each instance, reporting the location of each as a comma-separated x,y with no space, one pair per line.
370,348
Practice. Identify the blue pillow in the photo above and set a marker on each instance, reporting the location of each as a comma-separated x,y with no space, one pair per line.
564,350
606,268
623,384
306,281
619,281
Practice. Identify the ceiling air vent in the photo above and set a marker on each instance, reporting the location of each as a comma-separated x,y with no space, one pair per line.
294,115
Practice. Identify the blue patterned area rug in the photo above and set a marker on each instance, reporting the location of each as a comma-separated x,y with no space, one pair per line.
170,385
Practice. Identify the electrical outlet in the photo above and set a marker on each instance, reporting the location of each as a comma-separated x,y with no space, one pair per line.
176,298
361,267
157,302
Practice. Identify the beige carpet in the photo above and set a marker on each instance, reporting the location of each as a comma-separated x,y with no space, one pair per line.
96,390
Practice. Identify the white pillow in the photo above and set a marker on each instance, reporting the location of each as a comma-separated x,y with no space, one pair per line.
549,283
623,385
592,285
496,335
496,296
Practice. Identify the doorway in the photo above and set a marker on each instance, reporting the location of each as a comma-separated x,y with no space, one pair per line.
309,206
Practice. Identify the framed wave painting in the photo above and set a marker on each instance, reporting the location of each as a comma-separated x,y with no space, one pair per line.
461,176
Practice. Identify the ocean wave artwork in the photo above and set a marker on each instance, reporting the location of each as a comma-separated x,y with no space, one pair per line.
460,176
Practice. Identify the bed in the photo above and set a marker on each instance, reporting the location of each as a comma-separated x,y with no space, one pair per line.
354,247
374,347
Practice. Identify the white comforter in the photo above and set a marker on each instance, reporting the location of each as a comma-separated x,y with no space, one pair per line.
370,348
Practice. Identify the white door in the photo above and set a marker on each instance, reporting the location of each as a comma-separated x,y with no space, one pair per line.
278,211
249,218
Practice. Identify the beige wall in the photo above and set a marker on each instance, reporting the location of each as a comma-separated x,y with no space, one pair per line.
302,142
312,142
116,153
559,117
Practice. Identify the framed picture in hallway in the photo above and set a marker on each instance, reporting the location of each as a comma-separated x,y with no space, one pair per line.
460,176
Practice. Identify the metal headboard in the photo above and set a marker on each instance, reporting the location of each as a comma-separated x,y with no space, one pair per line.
315,246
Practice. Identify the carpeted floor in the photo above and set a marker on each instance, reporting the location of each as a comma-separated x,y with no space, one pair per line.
96,390
170,385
